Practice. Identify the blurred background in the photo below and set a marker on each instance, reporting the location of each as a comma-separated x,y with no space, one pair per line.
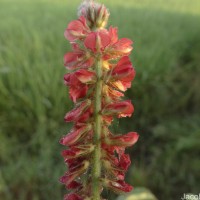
165,92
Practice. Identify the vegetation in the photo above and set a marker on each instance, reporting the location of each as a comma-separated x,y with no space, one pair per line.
165,94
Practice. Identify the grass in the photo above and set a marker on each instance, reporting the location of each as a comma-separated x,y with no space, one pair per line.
165,92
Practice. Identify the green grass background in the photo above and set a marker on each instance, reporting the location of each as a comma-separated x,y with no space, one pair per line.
166,95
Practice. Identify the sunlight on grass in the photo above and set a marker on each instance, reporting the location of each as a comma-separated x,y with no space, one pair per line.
138,194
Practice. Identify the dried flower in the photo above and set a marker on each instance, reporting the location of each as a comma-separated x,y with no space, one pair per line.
100,71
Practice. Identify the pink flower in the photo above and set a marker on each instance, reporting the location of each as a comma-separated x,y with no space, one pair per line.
77,29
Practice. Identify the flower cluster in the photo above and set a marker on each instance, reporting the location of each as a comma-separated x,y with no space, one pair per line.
100,71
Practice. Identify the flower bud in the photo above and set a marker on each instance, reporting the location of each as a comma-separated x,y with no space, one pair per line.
96,14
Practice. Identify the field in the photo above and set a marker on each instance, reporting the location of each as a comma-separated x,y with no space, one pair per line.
166,95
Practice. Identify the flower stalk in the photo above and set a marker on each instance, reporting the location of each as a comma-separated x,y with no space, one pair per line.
96,170
100,71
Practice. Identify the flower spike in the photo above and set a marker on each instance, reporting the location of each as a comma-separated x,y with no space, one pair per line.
99,72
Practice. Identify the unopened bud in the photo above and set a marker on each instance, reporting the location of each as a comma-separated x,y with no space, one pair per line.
96,14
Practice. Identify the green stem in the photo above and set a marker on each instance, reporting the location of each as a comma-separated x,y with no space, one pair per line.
96,170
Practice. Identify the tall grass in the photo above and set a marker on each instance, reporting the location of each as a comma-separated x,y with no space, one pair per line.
33,99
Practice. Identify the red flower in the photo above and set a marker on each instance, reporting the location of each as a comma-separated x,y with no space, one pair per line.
75,136
120,85
77,151
126,140
122,47
74,185
112,94
108,42
76,113
121,109
117,167
74,172
97,41
86,115
100,71
73,196
124,161
77,89
77,59
77,29
117,48
118,186
85,76
113,35
124,70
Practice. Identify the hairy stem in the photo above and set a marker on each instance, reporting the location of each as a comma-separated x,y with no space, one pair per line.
96,171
